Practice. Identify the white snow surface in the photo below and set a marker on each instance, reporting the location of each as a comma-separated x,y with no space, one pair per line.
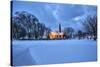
38,52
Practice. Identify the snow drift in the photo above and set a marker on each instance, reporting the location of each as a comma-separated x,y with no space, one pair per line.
34,52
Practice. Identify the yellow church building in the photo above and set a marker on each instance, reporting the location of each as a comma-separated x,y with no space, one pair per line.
56,35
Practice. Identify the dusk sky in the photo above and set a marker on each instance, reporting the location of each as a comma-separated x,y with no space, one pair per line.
69,15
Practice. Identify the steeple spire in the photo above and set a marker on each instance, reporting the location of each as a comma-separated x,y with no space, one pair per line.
59,27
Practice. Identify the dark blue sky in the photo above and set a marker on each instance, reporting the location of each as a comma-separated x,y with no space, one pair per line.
69,15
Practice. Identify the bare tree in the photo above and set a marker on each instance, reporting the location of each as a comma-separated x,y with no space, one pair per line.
68,32
90,26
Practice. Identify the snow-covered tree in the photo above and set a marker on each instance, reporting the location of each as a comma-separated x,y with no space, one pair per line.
27,25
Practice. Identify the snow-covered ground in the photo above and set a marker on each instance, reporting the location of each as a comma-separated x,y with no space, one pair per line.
33,52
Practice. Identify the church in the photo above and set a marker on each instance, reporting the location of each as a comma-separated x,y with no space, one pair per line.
57,34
